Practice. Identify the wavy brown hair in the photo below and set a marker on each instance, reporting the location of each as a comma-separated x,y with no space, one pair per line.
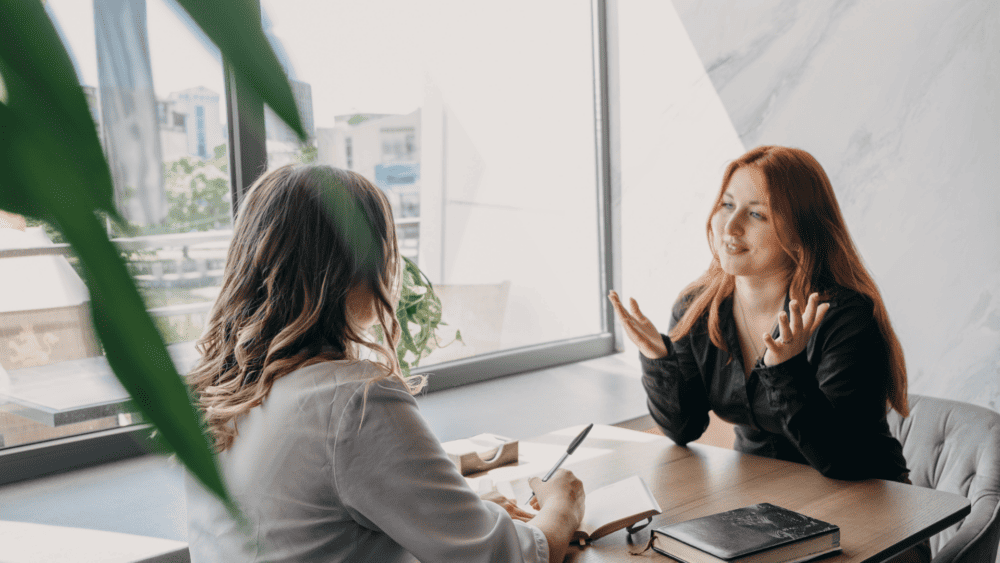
304,237
812,231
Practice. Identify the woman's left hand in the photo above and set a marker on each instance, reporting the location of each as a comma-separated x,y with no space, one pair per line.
794,332
510,505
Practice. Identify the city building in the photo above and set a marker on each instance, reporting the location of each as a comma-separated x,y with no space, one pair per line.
384,148
197,111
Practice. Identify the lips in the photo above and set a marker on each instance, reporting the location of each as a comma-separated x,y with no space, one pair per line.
733,247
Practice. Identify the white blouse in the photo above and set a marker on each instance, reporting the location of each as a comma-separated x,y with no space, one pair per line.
324,474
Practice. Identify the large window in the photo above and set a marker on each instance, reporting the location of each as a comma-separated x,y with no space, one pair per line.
487,151
491,155
59,384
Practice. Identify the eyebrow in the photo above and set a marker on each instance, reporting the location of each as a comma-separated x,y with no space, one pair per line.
754,202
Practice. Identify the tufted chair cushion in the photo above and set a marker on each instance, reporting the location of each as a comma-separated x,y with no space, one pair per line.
955,447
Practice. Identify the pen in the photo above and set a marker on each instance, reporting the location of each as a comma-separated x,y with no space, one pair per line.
572,448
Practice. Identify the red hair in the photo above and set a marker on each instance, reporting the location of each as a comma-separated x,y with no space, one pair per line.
811,230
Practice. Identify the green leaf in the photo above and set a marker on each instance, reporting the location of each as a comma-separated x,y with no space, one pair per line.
54,170
136,352
12,196
132,345
420,305
44,92
235,27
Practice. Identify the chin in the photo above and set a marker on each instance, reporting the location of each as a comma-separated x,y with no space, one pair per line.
734,269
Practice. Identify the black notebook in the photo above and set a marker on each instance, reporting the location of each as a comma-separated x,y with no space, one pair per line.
762,533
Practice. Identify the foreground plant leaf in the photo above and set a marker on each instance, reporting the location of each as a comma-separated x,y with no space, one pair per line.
54,170
234,26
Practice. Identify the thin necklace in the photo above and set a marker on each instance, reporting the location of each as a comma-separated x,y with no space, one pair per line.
756,355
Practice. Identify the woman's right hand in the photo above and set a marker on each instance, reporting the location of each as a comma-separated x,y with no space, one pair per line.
560,504
639,329
564,489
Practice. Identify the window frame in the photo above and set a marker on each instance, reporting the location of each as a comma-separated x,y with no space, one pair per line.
248,160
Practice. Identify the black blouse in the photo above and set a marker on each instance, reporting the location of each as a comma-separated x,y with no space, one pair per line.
825,407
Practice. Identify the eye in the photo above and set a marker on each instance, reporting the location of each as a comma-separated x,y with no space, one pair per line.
727,205
757,215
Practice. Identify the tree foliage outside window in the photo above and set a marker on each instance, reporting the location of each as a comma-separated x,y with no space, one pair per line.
198,195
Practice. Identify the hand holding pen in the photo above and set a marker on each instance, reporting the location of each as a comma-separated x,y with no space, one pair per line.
569,451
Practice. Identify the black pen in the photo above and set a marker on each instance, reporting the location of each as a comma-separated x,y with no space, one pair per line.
572,448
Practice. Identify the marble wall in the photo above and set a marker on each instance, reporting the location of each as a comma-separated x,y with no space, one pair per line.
899,103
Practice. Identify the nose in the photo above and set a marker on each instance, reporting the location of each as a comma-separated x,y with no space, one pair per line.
734,225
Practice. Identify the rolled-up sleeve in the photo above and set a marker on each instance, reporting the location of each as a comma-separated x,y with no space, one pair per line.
392,476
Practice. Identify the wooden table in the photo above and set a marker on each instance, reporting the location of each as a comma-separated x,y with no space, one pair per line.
877,518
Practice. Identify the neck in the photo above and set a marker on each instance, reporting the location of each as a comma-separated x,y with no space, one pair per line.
762,294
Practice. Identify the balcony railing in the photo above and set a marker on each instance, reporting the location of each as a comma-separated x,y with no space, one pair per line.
173,240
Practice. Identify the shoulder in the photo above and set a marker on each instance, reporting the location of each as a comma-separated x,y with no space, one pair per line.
366,380
368,410
851,315
685,299
343,384
848,303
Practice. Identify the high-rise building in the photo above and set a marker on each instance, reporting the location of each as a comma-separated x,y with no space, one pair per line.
200,109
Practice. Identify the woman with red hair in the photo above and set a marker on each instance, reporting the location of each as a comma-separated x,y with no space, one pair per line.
785,335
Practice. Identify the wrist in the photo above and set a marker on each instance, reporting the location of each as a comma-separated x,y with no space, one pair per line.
654,352
654,355
564,511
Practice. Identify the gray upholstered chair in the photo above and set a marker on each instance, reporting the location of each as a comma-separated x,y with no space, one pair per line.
955,447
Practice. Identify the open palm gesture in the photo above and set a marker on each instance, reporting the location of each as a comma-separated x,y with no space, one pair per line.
794,330
639,329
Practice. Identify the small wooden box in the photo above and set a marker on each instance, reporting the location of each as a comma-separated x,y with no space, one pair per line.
481,453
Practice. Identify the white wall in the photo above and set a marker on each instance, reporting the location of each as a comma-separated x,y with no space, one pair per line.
898,101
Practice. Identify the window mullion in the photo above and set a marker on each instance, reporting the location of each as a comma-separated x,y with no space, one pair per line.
247,144
608,145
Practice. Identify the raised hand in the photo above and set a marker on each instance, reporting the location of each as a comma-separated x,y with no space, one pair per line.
794,332
639,329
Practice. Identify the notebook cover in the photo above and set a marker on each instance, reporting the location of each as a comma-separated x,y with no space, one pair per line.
741,532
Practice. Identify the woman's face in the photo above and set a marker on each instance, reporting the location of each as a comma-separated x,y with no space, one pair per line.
743,232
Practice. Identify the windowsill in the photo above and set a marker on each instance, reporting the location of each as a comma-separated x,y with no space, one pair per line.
604,390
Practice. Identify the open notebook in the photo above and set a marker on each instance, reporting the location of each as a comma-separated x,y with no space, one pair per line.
608,509
616,506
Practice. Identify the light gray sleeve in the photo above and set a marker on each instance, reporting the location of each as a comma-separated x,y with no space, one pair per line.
392,475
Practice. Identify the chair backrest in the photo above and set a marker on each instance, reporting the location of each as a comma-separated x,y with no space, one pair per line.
955,447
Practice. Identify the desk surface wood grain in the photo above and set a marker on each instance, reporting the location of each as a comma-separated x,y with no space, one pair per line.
877,518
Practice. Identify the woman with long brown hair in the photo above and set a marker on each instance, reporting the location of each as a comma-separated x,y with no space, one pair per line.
785,335
323,449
